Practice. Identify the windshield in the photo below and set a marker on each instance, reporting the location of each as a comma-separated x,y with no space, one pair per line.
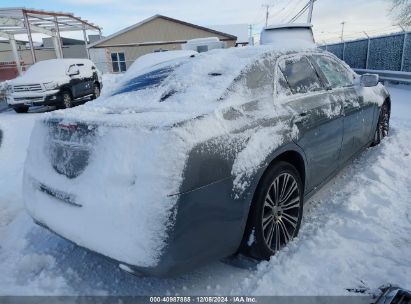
144,81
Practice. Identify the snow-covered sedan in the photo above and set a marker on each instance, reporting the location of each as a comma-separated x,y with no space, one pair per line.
195,157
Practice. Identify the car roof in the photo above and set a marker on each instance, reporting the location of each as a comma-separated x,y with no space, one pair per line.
65,61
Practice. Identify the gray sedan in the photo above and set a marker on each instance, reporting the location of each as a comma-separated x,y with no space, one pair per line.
201,156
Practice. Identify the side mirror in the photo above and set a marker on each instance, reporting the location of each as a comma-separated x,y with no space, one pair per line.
73,71
369,80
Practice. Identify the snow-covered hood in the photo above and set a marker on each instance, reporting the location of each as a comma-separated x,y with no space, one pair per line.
28,79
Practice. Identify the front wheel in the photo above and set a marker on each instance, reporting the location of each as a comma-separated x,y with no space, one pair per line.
96,91
276,213
67,100
383,125
23,109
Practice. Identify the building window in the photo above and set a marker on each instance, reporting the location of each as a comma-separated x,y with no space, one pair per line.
118,61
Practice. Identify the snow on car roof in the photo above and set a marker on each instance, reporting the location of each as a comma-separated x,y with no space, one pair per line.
57,63
193,86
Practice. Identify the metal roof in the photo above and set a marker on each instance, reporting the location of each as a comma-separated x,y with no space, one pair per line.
13,21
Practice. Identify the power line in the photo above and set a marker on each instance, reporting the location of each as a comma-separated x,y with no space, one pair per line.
299,14
291,10
303,10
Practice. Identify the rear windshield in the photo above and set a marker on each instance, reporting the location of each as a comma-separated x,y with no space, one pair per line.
148,80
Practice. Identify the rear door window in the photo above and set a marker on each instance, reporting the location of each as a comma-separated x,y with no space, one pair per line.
300,75
335,73
259,75
283,89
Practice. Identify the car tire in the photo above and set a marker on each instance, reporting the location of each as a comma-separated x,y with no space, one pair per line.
96,91
383,125
66,100
23,109
276,212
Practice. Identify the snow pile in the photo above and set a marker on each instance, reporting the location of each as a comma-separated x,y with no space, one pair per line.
110,81
16,134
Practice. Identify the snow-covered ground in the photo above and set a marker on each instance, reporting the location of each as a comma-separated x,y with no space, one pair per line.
356,233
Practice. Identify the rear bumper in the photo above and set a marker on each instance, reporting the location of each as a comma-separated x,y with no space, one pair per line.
125,211
209,226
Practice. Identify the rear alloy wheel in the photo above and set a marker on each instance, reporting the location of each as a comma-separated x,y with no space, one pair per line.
96,91
23,109
277,211
383,126
67,100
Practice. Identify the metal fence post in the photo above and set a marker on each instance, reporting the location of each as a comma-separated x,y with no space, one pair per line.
343,54
368,50
368,53
404,44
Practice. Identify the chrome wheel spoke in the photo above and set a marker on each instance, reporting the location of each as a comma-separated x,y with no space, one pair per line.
268,202
290,191
284,187
270,235
294,203
277,238
290,219
275,189
287,236
267,220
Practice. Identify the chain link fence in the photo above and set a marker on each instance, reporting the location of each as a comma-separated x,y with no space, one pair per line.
389,52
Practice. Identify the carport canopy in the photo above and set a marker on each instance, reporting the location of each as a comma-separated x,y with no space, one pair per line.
19,20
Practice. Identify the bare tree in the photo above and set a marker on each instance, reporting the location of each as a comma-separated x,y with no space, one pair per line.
401,10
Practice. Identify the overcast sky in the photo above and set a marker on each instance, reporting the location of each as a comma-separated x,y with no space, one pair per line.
360,15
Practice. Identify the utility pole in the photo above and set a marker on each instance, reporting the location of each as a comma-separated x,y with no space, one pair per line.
267,13
342,31
310,12
250,36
